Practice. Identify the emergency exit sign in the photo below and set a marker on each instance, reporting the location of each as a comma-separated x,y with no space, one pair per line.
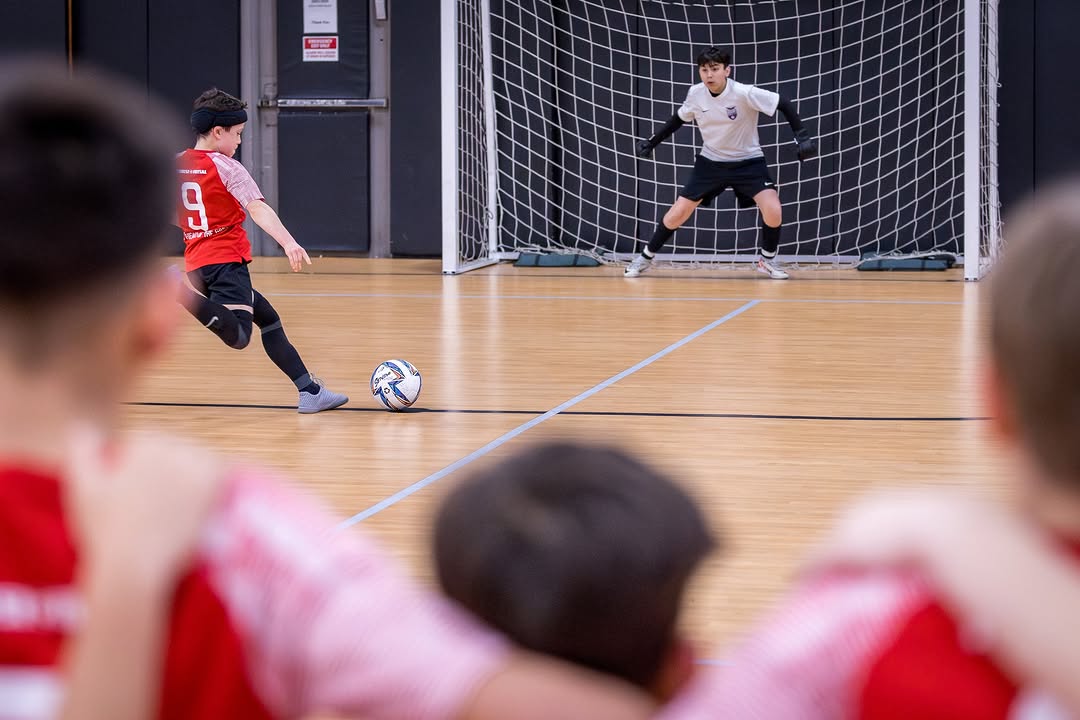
321,48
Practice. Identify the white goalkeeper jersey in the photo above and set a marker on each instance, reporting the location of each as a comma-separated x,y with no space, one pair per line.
729,121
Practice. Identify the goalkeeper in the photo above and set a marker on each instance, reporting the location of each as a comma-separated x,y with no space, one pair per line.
726,112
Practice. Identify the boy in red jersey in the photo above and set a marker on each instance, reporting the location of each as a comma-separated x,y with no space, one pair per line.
135,539
216,193
887,645
275,617
992,568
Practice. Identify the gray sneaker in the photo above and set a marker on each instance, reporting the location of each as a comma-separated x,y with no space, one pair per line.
325,399
638,266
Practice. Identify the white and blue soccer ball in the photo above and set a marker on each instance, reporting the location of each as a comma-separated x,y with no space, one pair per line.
396,384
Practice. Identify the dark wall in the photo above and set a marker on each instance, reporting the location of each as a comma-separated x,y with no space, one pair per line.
39,26
1016,108
186,54
1056,101
1038,99
415,199
113,34
170,48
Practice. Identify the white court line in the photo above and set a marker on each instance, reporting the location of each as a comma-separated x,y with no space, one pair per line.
609,298
501,440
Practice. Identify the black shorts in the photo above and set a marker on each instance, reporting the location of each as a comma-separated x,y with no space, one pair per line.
225,284
709,178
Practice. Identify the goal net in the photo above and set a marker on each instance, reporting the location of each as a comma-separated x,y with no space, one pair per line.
544,101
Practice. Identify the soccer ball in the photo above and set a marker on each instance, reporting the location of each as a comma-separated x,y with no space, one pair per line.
396,384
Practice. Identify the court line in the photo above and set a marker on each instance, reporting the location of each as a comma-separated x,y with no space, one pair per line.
896,276
441,296
594,413
506,437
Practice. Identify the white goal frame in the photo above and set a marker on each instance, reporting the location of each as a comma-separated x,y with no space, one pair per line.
981,226
453,261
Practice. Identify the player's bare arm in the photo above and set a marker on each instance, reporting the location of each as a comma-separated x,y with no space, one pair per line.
138,510
983,560
265,217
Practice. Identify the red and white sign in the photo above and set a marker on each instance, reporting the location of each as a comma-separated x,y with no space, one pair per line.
321,48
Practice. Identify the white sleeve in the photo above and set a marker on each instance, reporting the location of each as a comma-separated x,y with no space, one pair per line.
688,111
237,179
329,622
764,101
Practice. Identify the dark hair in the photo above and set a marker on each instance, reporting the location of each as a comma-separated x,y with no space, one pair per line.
574,551
217,108
87,182
218,100
1035,326
714,54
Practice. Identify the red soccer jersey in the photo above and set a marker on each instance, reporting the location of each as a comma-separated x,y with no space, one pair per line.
214,191
279,618
873,647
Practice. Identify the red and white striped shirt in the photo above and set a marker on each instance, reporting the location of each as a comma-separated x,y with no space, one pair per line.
215,191
280,617
869,647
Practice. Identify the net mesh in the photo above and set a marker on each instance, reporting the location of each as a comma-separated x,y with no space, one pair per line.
576,83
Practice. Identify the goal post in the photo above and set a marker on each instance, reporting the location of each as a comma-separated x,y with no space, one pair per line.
544,100
980,125
468,139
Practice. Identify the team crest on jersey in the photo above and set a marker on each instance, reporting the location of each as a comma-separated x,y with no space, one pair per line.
732,113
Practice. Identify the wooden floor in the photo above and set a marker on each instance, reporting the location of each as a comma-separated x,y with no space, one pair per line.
773,402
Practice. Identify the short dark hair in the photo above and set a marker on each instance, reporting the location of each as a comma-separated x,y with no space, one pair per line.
218,101
714,54
574,551
1035,326
87,182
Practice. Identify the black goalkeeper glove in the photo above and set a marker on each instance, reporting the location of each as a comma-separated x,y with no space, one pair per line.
645,148
807,145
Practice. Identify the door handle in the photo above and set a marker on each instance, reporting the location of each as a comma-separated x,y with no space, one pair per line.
325,103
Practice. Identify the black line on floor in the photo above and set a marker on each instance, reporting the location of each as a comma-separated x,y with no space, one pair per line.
594,413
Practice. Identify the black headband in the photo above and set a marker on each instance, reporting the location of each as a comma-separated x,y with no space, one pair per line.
203,119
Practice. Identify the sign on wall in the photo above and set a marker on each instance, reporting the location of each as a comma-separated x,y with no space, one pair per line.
320,17
321,48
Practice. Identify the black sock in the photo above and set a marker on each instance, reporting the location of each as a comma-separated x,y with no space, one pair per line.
284,355
660,237
233,327
279,349
770,240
